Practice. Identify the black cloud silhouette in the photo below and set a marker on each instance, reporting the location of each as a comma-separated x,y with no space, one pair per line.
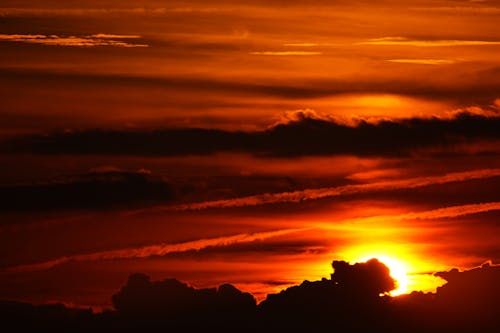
476,291
304,136
371,278
91,190
171,299
349,302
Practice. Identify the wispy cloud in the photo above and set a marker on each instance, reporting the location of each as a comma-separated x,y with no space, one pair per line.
104,36
81,41
153,250
454,211
200,244
433,214
302,44
16,11
286,53
424,61
460,9
403,41
327,192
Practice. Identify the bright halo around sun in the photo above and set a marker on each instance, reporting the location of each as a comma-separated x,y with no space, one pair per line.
397,270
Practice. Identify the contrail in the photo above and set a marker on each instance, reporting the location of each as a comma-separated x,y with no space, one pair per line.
326,192
163,248
152,250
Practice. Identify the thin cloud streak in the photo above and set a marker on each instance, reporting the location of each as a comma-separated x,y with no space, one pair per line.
433,214
454,211
460,10
286,53
302,44
403,41
43,12
196,245
152,250
327,192
84,41
424,61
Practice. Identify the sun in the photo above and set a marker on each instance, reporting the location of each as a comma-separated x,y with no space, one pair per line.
397,270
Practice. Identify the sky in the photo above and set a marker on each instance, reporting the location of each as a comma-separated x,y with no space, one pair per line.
244,141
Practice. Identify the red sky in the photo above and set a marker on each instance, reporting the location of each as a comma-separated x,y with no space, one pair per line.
324,130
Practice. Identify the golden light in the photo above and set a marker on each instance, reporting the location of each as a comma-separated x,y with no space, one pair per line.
410,270
380,106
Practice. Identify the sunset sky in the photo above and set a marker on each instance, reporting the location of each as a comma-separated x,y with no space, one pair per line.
244,142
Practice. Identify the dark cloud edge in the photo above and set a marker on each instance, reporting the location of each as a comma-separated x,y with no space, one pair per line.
96,189
304,136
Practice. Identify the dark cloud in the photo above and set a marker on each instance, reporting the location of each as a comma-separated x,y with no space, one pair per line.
348,302
476,289
98,189
305,136
172,300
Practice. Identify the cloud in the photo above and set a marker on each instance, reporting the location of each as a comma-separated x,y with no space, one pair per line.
152,250
403,41
474,86
237,242
329,192
286,53
370,278
424,61
350,301
100,10
454,211
111,36
104,187
477,287
79,41
172,300
303,44
303,133
482,10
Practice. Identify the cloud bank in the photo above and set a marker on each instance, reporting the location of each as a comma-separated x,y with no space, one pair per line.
348,302
306,136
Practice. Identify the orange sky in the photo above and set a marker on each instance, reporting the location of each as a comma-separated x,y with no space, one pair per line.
261,214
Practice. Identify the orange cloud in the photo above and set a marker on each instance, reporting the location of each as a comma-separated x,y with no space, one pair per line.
454,211
403,41
286,53
85,41
424,61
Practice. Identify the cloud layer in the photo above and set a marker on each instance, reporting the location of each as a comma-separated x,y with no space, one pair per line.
307,135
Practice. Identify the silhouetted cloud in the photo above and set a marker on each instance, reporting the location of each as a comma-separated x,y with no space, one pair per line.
349,302
472,292
172,300
305,136
370,278
97,189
